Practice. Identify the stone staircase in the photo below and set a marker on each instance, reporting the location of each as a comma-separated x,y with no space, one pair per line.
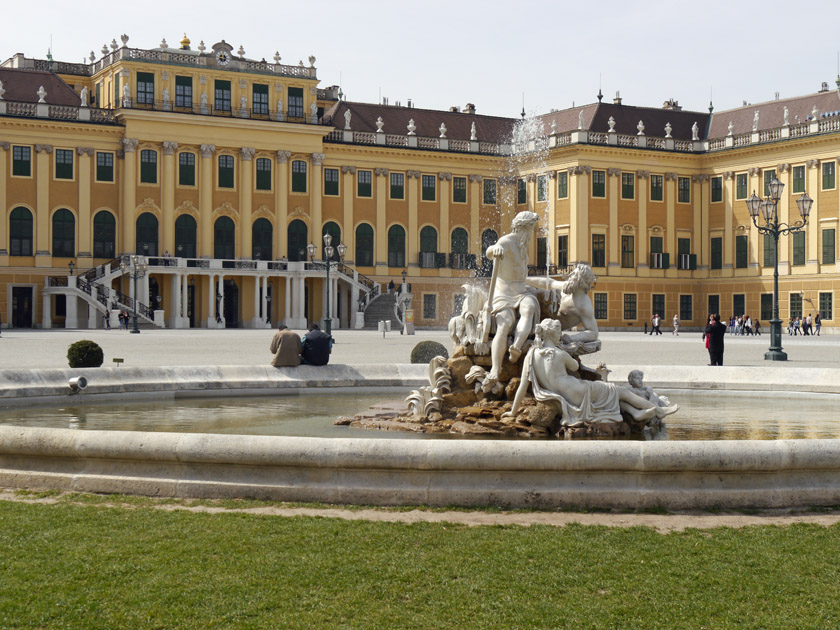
382,308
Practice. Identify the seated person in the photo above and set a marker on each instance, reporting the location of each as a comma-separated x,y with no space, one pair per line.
316,347
286,347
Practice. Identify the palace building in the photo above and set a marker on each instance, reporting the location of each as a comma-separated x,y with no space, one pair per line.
190,182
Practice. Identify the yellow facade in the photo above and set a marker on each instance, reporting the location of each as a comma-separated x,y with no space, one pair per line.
245,154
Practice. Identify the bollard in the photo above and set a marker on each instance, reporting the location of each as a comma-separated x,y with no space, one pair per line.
381,328
388,325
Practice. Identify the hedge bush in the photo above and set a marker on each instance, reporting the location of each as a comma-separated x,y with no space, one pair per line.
425,351
85,353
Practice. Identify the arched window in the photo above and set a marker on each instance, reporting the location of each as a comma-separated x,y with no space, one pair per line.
460,241
261,240
147,234
364,245
396,246
224,238
488,238
185,236
428,240
64,234
104,235
298,240
20,232
331,228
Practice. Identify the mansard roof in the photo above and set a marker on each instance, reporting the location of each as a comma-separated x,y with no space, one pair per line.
22,86
427,121
771,114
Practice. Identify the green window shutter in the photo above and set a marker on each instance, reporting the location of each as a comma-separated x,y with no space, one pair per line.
692,261
666,261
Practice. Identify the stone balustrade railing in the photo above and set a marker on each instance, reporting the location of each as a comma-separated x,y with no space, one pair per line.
56,112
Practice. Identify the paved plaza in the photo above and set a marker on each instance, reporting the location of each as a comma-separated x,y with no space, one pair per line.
159,347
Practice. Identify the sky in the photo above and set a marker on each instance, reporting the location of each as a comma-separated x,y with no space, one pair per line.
493,54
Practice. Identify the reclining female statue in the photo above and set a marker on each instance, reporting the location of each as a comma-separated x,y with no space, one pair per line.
550,370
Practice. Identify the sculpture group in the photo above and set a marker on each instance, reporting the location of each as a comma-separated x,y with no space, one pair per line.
516,368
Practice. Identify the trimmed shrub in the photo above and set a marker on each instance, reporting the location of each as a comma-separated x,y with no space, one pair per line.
425,351
85,353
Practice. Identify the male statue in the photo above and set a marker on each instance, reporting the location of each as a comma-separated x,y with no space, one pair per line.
575,304
510,293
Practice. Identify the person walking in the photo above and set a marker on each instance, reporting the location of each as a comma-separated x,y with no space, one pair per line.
797,323
806,328
817,324
676,330
657,321
286,347
757,329
715,332
748,325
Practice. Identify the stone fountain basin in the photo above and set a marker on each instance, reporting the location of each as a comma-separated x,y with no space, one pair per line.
549,474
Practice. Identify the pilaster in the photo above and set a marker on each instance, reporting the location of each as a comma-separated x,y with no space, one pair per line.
317,198
756,248
700,203
5,147
413,184
83,174
812,228
444,243
728,225
475,201
381,240
168,196
129,185
783,175
579,250
281,199
670,222
349,235
43,257
613,266
246,185
644,238
205,205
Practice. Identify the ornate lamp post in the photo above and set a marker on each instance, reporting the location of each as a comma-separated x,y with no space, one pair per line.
72,266
328,262
136,270
771,226
268,304
403,288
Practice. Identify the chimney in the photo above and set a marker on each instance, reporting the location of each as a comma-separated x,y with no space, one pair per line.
672,105
454,109
469,108
617,99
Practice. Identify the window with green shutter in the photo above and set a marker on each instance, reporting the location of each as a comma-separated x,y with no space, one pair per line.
489,192
563,251
221,100
299,176
769,176
828,247
295,102
717,189
600,303
741,251
186,169
798,179
828,176
104,166
521,191
741,186
738,304
146,88
183,92
226,175
22,161
63,164
717,253
599,250
331,182
656,188
795,304
428,188
459,190
686,308
798,248
364,181
628,252
599,184
769,251
826,305
562,184
148,166
259,99
263,174
397,182
684,190
628,185
766,306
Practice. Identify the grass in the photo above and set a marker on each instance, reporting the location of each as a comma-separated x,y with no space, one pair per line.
67,565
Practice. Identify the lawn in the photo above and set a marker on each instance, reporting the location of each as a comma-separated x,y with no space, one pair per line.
88,566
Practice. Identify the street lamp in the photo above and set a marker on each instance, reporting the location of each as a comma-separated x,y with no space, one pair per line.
403,288
328,262
268,304
768,208
72,266
136,270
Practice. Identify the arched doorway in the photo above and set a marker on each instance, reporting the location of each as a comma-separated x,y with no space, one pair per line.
298,240
364,245
231,305
63,234
20,232
104,235
396,246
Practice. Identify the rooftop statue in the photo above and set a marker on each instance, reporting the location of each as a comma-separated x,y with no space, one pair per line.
695,132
